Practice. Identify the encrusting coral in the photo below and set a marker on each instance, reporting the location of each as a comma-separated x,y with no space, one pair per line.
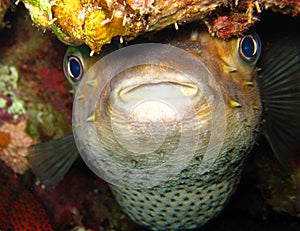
11,103
96,23
13,145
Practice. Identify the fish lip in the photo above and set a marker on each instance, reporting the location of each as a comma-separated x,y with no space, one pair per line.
154,81
186,88
182,84
155,101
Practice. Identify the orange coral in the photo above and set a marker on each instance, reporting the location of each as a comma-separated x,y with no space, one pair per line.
4,139
13,150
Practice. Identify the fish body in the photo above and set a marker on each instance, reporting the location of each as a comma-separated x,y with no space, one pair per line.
192,198
200,92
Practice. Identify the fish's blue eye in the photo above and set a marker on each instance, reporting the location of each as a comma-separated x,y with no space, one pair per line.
74,68
249,48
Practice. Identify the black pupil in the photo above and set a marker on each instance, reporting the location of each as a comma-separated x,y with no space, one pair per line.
248,47
75,68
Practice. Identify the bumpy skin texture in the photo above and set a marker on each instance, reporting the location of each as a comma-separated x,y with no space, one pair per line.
95,23
19,208
186,203
191,198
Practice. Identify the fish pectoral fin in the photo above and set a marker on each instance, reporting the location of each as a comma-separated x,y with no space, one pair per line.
280,90
51,160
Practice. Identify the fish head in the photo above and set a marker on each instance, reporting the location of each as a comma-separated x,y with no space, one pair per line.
143,113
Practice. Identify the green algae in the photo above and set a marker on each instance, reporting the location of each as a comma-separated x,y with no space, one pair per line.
45,122
3,103
8,86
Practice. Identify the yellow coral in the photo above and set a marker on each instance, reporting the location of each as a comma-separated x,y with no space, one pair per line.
91,23
96,22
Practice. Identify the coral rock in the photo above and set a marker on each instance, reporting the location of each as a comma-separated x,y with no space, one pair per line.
13,146
97,22
11,105
4,6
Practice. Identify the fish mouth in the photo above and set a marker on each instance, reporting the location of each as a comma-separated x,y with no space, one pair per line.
141,120
153,93
165,89
151,80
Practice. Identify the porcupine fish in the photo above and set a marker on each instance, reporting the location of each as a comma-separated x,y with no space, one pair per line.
201,93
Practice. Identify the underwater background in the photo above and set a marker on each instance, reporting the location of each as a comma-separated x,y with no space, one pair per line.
35,106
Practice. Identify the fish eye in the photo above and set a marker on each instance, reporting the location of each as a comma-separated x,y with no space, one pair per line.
73,66
250,48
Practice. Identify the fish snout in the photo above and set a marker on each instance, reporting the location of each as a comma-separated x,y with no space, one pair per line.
141,119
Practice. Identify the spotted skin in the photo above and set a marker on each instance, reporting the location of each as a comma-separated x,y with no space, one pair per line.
186,203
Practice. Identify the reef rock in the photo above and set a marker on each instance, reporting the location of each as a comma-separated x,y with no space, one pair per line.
97,22
4,6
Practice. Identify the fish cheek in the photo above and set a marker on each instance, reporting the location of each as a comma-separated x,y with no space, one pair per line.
240,91
236,79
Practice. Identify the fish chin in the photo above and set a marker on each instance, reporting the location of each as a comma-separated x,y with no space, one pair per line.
158,125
